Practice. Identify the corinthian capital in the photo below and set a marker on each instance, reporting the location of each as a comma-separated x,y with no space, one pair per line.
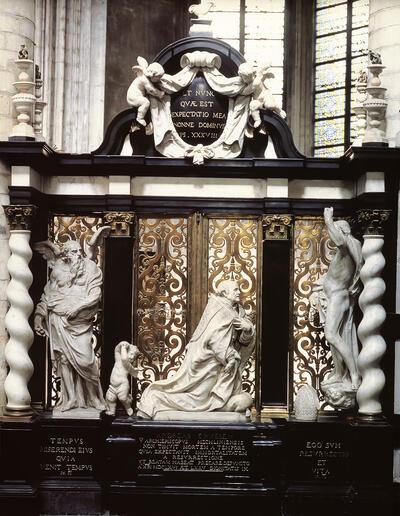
372,222
20,216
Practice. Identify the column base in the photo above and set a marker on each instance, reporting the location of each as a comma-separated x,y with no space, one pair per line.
17,413
21,139
370,418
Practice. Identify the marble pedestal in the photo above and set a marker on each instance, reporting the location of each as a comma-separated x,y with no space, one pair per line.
338,466
168,464
212,417
19,466
71,464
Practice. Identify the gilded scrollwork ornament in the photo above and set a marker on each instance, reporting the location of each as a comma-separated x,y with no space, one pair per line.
120,222
313,252
277,227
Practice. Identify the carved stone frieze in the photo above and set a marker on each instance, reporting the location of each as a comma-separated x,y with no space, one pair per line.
277,227
120,222
20,216
372,222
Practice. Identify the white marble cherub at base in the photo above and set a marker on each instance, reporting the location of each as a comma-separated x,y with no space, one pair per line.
125,355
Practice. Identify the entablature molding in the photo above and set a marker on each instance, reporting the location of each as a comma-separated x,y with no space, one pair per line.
48,162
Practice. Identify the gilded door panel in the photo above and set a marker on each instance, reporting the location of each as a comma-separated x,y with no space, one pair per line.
161,296
313,251
233,254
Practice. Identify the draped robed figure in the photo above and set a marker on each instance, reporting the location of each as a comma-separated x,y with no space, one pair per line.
210,377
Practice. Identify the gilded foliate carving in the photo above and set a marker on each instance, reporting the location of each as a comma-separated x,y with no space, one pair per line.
20,216
372,222
277,227
232,255
161,297
120,222
313,252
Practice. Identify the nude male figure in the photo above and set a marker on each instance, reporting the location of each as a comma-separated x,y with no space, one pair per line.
341,284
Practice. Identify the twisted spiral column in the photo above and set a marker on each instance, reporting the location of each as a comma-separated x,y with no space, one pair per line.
374,315
17,317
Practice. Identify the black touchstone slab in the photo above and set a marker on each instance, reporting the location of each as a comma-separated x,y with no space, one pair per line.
69,448
199,113
71,459
319,451
338,466
18,466
152,457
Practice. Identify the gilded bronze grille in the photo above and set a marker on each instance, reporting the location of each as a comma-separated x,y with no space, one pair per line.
233,254
161,296
313,251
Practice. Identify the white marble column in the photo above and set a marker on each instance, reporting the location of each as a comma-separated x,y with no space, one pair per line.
16,29
384,37
4,276
374,314
20,308
71,50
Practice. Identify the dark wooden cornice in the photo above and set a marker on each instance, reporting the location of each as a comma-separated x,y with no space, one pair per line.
350,166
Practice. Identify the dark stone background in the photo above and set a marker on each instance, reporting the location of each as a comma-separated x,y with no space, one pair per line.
138,27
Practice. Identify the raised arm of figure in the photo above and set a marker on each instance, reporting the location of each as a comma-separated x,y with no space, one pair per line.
334,233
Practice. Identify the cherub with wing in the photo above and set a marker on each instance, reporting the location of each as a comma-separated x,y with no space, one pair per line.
262,96
145,75
66,314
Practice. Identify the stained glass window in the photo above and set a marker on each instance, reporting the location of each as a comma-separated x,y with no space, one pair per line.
256,29
341,50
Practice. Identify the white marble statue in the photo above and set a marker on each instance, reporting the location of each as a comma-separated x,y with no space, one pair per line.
66,313
262,96
341,285
125,355
209,381
202,8
145,77
248,86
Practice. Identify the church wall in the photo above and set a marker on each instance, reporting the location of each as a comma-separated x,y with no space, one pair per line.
137,29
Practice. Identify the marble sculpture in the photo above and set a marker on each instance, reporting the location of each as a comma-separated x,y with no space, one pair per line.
247,92
341,286
209,381
125,355
142,85
66,313
306,404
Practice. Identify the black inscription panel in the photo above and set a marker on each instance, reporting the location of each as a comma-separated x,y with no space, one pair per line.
199,113
69,456
194,452
319,459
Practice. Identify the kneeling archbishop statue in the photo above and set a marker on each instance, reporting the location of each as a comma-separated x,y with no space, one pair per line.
208,385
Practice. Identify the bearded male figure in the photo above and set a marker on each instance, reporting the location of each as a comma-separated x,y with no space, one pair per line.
210,377
65,314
